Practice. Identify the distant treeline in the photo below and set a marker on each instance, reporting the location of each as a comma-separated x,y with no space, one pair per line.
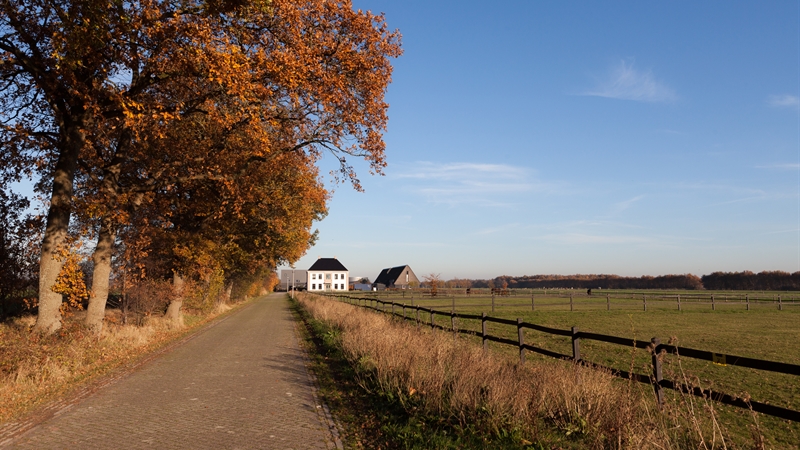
764,281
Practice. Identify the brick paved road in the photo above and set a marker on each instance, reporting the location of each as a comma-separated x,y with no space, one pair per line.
240,384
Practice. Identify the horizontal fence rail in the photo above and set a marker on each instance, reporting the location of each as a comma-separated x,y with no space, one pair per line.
654,346
575,298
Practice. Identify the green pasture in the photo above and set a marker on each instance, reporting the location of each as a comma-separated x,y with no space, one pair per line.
762,332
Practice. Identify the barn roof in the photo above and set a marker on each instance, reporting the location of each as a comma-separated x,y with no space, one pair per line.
389,276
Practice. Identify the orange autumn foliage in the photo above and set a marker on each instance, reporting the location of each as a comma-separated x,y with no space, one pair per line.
70,282
192,125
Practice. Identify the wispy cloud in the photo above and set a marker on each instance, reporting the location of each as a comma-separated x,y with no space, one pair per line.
581,238
783,166
457,171
784,101
627,83
622,206
473,183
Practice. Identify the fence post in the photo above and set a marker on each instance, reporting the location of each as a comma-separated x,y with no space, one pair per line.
533,308
576,348
608,302
404,311
433,324
392,309
418,322
521,339
747,299
483,330
644,301
571,307
713,303
492,301
780,303
679,302
453,323
657,375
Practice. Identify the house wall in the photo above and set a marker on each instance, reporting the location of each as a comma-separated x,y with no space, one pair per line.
328,280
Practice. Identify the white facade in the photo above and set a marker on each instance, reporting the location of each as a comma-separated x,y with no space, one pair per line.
328,280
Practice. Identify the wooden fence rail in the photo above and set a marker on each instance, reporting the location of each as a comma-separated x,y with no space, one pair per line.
787,297
655,347
627,300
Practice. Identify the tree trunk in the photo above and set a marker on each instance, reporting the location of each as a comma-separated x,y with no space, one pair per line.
174,309
105,242
226,297
55,233
100,278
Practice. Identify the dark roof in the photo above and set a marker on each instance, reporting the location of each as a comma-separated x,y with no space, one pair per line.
389,276
327,264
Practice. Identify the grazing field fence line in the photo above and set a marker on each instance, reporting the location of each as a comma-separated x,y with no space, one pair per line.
574,299
657,349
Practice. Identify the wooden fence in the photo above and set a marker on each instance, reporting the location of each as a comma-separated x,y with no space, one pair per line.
573,300
655,347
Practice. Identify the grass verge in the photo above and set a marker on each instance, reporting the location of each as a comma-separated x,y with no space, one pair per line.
761,333
374,418
36,370
420,389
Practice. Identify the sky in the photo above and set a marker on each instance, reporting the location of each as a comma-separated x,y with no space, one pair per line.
532,137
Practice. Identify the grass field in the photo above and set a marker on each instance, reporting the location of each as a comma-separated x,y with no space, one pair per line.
762,332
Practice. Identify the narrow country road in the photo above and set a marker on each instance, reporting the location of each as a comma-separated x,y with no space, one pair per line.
240,384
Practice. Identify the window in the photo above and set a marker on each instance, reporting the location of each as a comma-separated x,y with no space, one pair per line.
327,276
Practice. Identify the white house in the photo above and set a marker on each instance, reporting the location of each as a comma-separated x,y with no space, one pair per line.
327,274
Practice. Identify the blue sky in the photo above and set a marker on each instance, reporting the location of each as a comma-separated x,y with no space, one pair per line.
635,138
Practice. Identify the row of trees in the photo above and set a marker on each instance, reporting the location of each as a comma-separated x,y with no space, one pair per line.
180,139
763,281
687,281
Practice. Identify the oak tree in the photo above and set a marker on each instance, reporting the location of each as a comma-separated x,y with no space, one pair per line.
93,88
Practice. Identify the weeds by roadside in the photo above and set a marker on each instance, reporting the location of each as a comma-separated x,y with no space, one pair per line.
36,368
427,375
375,419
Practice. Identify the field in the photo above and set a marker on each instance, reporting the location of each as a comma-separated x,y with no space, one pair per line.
762,332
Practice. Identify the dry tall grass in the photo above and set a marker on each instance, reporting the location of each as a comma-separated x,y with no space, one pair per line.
36,368
457,379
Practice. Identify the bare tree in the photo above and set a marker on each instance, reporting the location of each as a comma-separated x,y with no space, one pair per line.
433,280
